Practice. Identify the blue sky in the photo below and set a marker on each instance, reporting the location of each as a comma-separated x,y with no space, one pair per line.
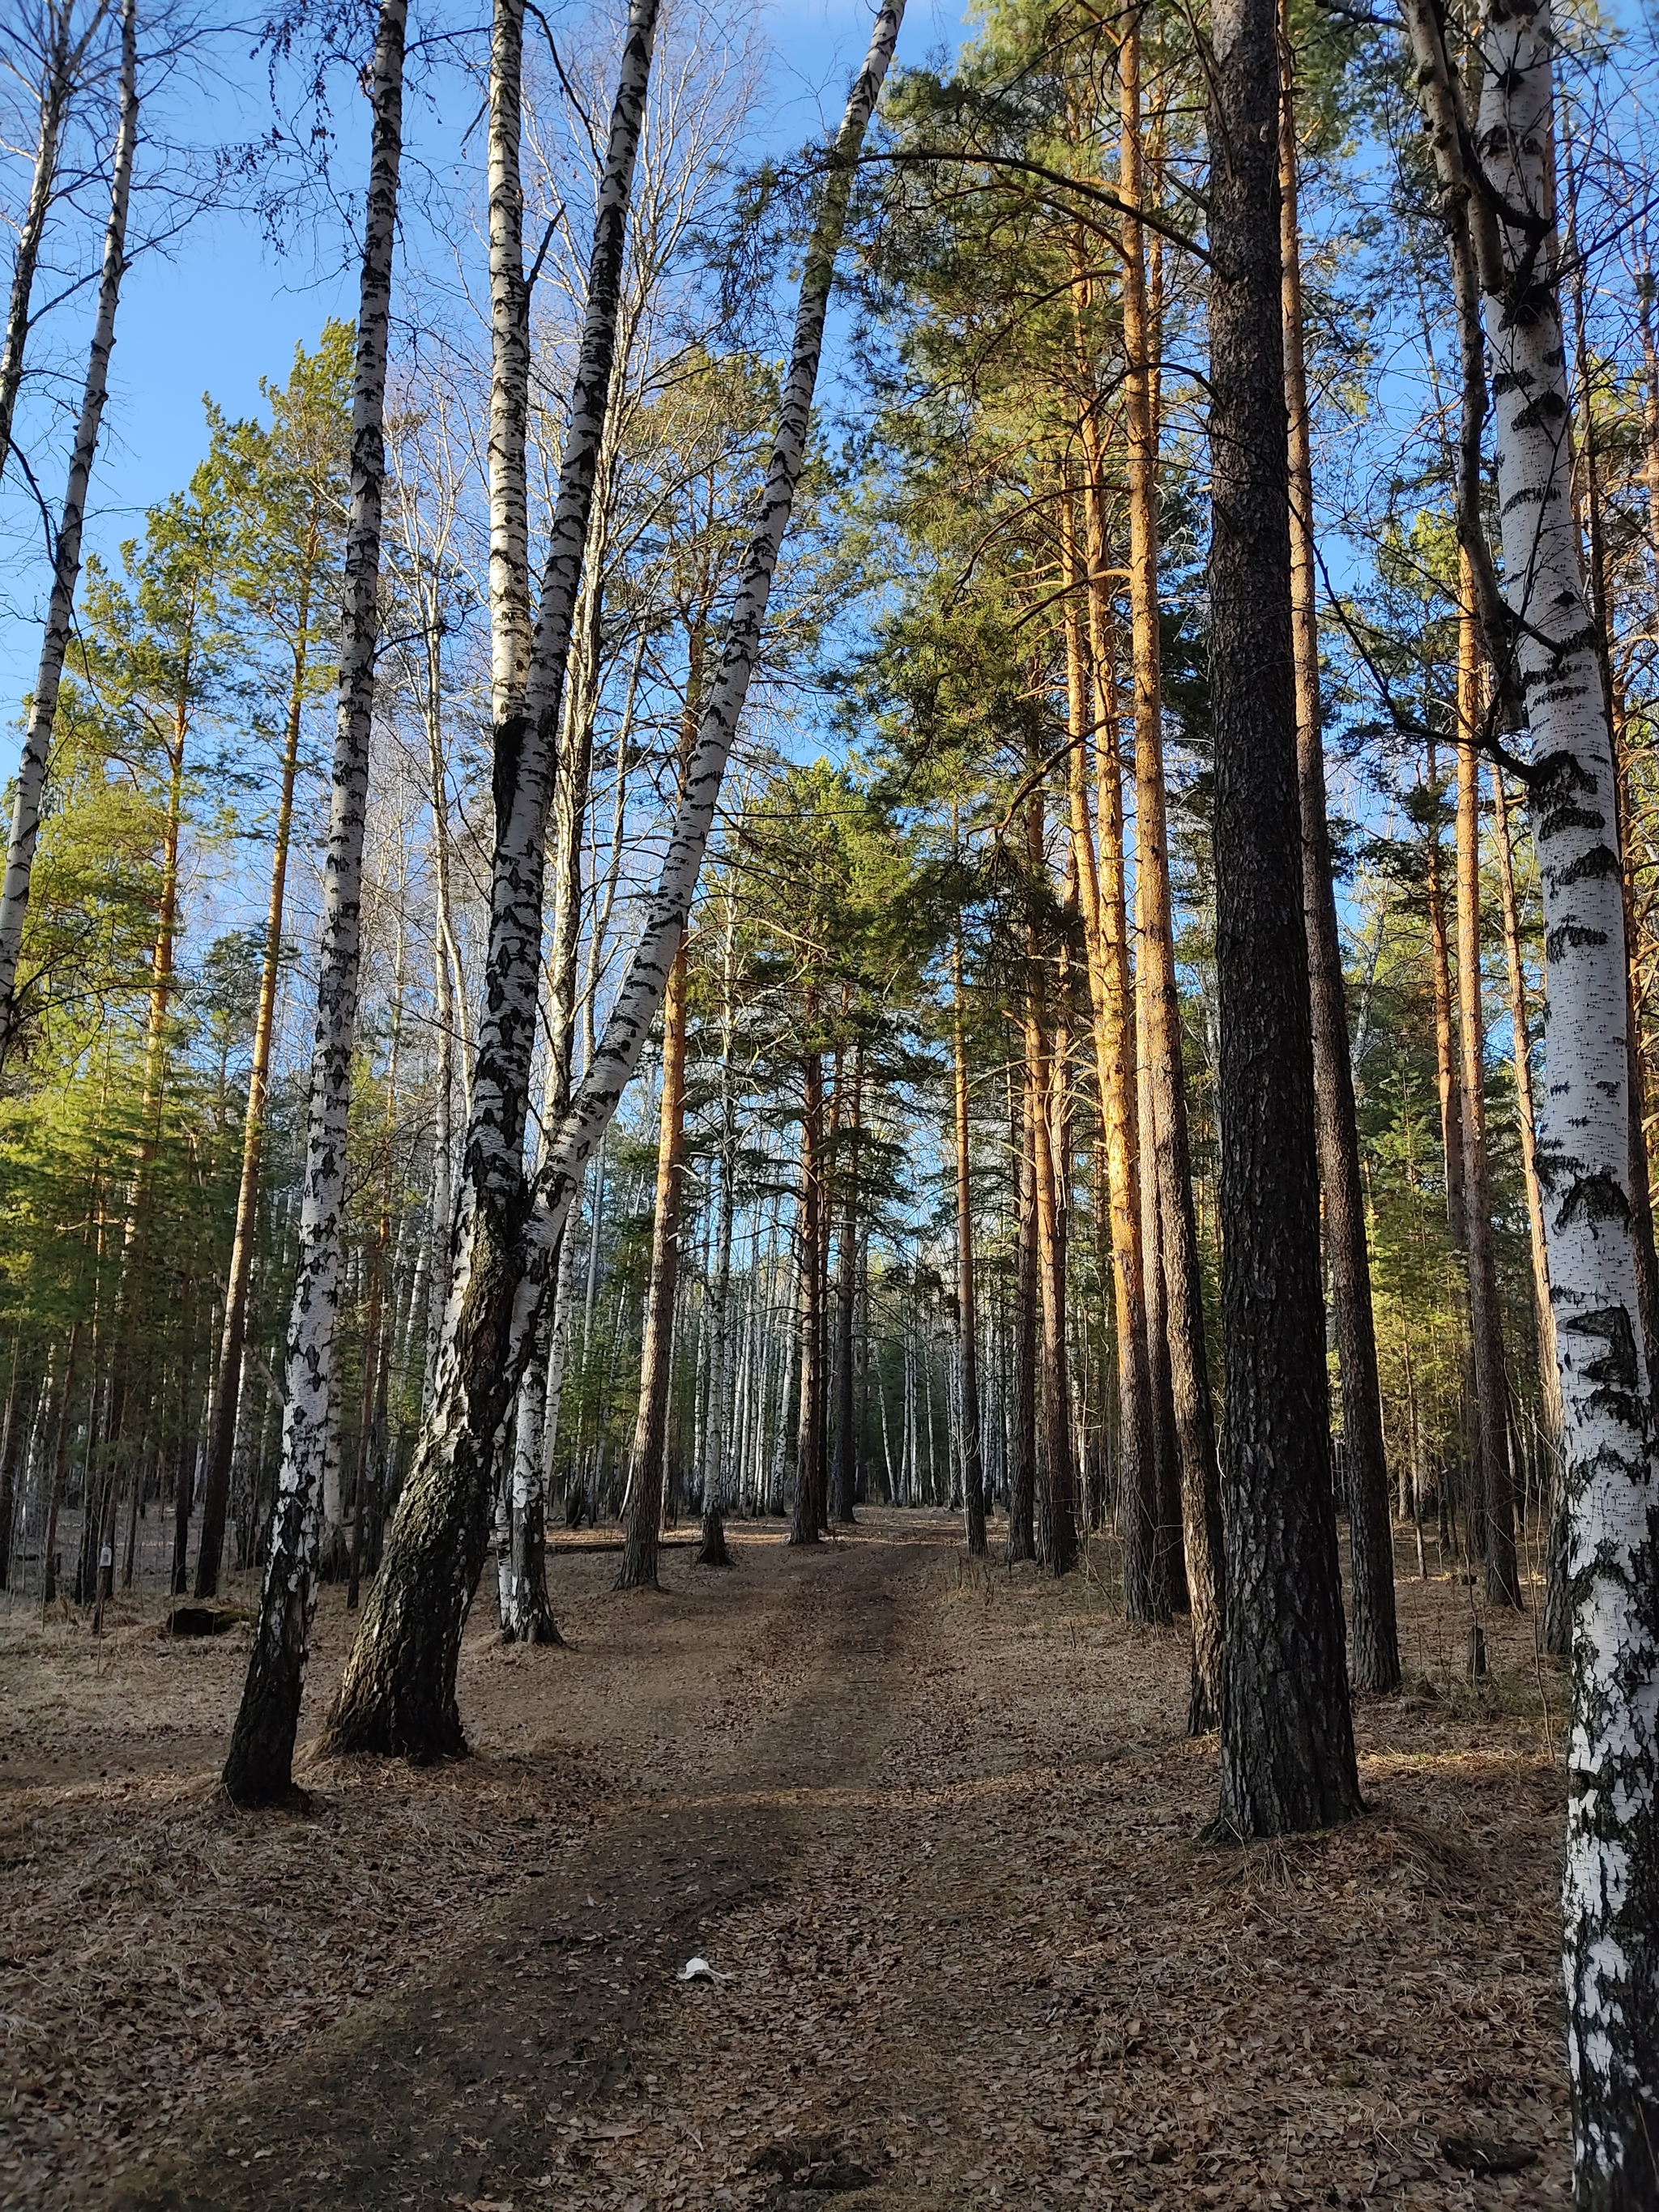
224,310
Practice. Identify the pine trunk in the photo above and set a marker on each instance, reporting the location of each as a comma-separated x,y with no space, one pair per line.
1373,1645
1287,1752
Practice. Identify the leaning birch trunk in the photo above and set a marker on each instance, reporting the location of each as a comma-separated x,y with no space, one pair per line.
398,1692
642,993
259,1768
66,562
1611,1885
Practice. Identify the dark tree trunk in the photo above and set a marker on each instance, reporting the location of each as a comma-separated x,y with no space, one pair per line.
10,1441
847,1284
806,1525
1287,1754
1022,1487
972,1467
639,1566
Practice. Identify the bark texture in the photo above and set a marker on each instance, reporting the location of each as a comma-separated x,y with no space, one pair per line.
398,1692
1287,1754
1611,1884
260,1767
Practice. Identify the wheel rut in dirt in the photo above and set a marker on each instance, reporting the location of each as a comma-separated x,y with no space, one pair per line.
441,2096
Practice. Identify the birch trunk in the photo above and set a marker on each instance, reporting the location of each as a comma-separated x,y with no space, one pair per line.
1287,1752
66,553
398,1690
259,1768
645,1480
1611,1883
61,64
1373,1646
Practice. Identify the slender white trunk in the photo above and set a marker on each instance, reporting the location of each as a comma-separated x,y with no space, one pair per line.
261,1754
398,1690
66,563
509,383
1611,1883
637,1002
61,63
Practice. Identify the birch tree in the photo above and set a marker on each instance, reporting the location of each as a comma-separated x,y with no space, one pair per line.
398,1690
66,549
399,1694
260,1767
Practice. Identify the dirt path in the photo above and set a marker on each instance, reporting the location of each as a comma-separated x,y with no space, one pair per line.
551,2000
937,1827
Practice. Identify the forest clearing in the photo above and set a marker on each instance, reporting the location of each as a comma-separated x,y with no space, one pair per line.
828,1040
939,1826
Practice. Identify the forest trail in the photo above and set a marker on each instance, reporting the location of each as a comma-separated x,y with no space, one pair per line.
938,1827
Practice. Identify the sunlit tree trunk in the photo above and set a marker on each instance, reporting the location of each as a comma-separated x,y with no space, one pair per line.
260,1767
1611,1884
1287,1754
1101,904
1022,1487
222,1435
1170,1163
645,1480
66,548
722,1427
1373,1646
399,1693
809,1237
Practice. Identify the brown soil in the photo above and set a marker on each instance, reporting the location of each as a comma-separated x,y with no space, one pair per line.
936,1829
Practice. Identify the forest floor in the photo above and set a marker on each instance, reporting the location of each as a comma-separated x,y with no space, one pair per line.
936,1829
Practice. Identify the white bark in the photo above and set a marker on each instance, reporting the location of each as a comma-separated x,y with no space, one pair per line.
398,1690
1611,1884
61,63
509,383
261,1759
66,564
640,995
